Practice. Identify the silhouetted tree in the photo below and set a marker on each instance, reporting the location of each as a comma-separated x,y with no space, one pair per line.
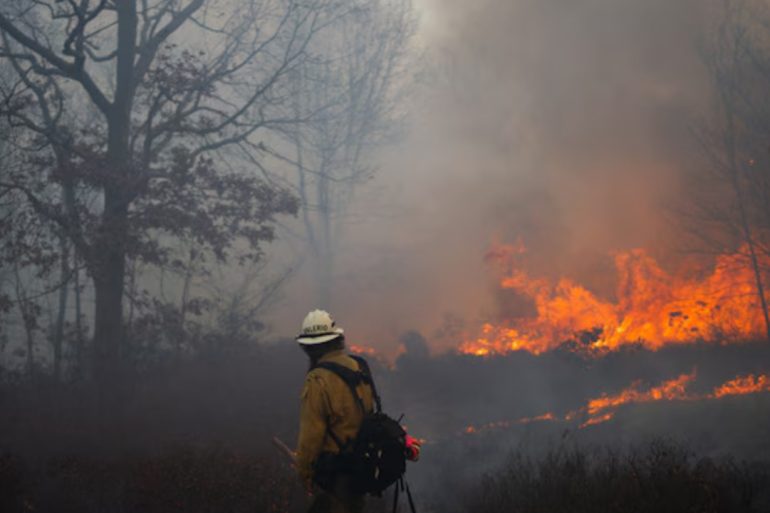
122,107
732,201
356,87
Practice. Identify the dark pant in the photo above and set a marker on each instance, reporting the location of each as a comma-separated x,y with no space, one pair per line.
339,500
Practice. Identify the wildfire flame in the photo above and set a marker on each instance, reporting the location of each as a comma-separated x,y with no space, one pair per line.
668,390
604,407
502,424
743,385
653,307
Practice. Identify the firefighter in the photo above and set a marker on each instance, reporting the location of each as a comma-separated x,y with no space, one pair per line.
330,418
327,406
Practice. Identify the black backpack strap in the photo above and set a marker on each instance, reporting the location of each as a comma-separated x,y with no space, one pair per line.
395,496
367,372
399,487
351,378
411,501
340,445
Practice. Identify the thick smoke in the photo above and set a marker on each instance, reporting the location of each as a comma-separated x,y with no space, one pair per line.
565,124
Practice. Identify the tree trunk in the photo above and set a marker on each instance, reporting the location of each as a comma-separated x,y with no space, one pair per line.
79,338
325,253
26,309
732,160
109,276
58,336
109,258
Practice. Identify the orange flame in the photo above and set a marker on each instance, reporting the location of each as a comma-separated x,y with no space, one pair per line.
539,418
675,389
597,420
603,408
503,424
744,385
653,307
672,390
364,350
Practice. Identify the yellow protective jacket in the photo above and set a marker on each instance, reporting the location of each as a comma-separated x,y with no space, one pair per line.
327,404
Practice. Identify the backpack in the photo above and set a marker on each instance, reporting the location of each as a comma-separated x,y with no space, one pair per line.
376,457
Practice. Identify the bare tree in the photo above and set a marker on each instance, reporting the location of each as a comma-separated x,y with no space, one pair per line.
732,211
358,78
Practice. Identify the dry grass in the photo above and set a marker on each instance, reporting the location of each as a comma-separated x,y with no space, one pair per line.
183,480
660,477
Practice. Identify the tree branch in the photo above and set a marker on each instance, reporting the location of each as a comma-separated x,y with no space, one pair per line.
151,46
67,69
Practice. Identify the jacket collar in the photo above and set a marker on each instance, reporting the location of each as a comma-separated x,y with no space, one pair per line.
332,355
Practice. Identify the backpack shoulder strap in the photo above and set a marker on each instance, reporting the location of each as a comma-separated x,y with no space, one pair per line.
367,372
349,376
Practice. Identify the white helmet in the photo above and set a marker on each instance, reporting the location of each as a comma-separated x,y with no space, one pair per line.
317,328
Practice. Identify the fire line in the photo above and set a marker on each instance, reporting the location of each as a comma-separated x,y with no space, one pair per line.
603,408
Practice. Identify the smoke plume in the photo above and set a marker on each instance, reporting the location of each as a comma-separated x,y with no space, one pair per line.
566,125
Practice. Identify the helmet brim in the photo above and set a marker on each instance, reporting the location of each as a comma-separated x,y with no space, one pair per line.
307,340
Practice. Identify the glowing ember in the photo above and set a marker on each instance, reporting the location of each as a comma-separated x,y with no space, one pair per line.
653,308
